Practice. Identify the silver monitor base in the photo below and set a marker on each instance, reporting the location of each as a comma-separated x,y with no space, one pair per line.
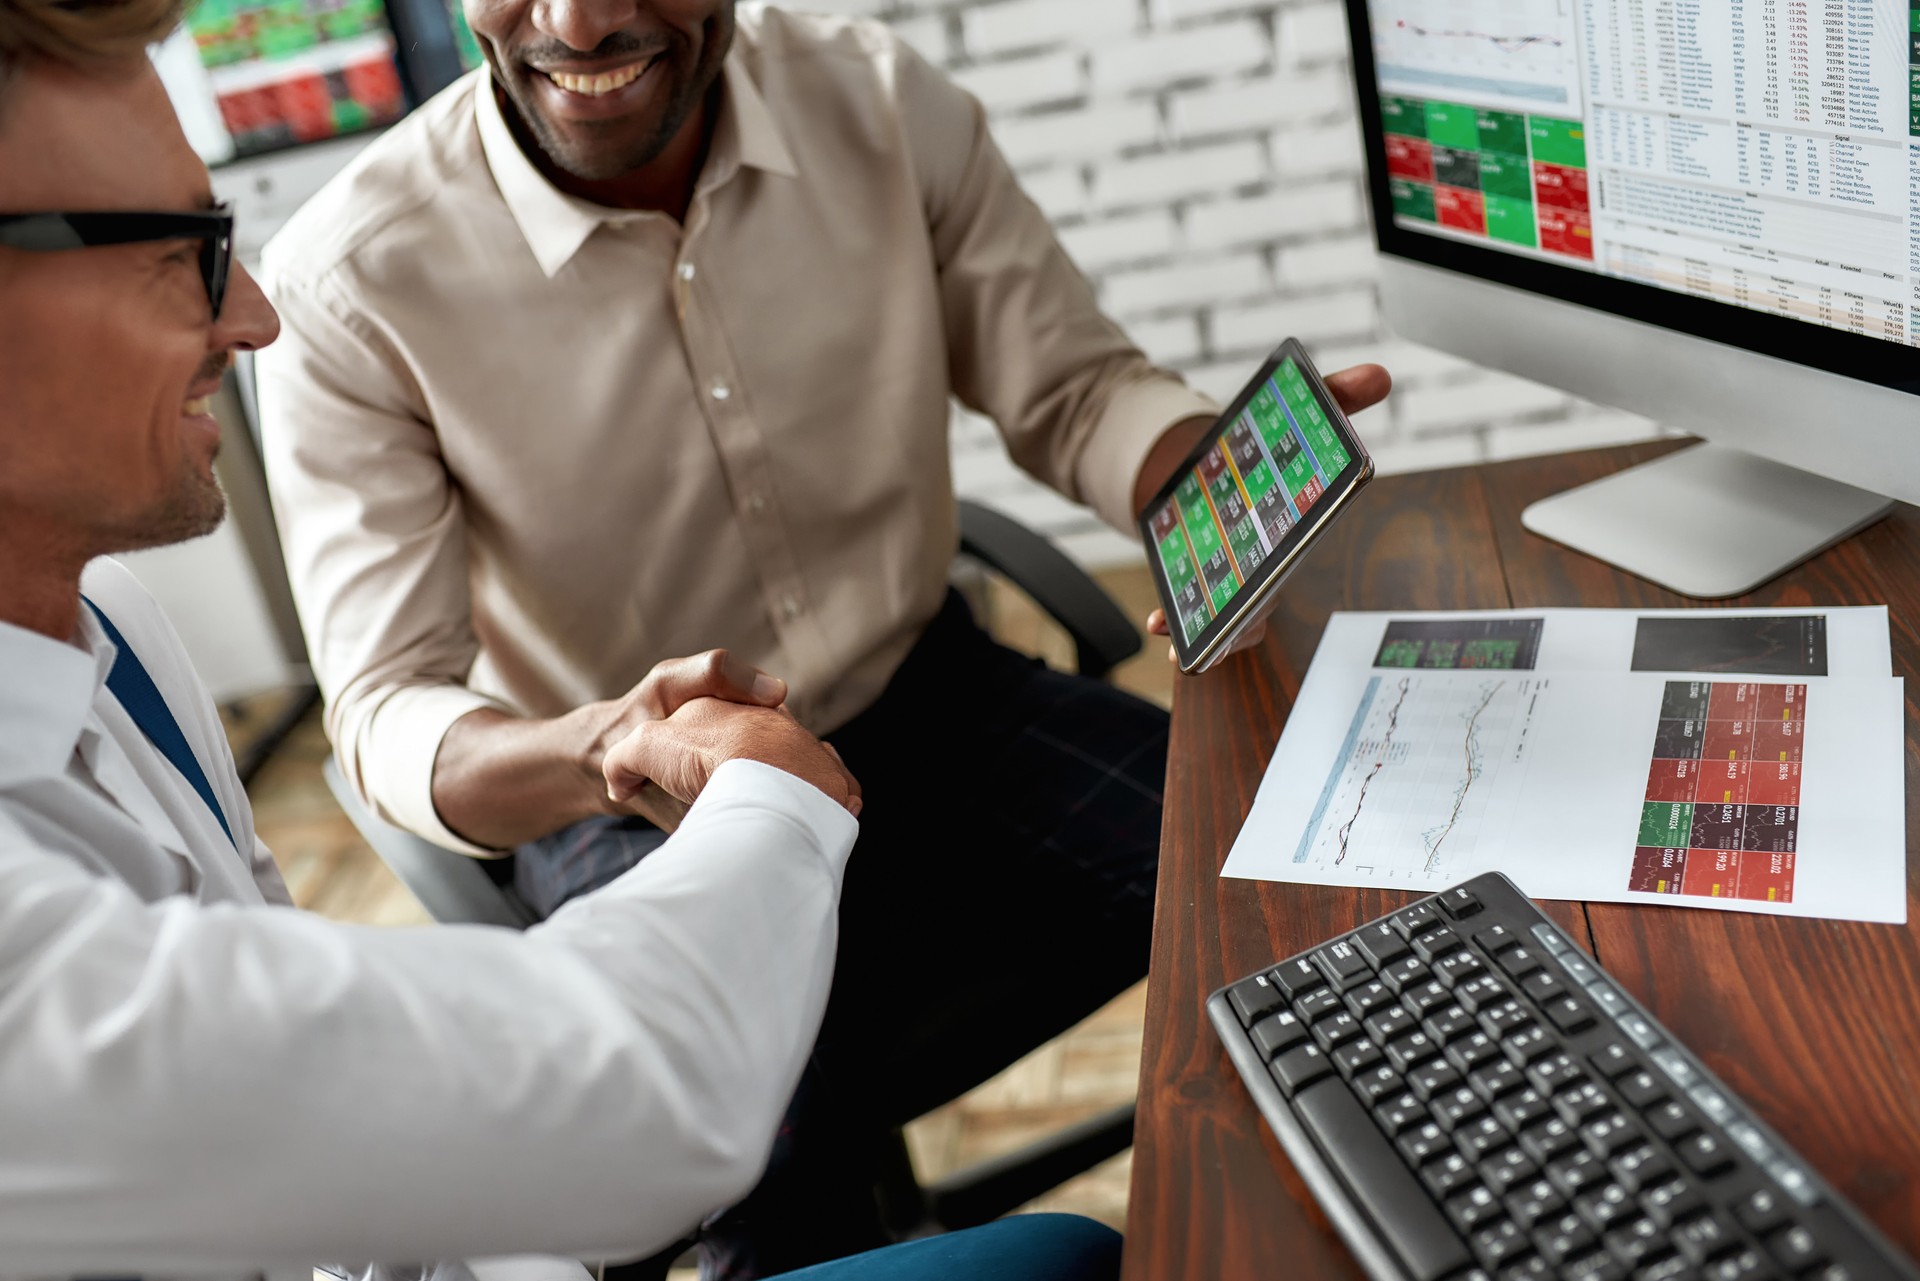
1708,521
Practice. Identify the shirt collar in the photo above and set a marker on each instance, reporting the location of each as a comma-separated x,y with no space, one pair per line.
46,696
555,224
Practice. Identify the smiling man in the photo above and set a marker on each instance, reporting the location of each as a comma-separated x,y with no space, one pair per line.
640,341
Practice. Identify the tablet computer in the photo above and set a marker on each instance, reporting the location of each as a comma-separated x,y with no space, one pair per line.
1249,500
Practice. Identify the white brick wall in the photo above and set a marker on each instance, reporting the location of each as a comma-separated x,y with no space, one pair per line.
1201,160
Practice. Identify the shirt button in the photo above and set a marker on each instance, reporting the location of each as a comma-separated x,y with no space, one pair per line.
757,502
790,607
720,389
686,271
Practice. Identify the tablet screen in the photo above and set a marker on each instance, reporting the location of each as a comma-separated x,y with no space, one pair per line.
1234,508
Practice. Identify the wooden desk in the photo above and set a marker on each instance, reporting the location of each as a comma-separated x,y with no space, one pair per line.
1816,1023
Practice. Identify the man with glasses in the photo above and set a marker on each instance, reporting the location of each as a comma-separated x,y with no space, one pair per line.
195,1079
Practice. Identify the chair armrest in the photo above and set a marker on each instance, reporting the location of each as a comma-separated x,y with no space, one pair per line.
1103,636
453,887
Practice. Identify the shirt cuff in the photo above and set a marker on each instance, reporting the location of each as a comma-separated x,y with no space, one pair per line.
399,746
750,783
1136,416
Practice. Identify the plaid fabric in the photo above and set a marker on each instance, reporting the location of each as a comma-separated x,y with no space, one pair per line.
1001,890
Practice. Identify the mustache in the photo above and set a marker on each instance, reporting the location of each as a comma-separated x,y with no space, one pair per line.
555,55
213,368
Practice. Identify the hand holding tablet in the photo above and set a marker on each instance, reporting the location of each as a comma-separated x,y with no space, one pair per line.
1236,515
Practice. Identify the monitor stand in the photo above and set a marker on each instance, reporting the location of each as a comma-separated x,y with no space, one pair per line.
1708,521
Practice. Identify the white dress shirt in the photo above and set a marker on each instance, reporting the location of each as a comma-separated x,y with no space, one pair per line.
198,1080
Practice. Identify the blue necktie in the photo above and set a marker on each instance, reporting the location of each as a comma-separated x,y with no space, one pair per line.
129,682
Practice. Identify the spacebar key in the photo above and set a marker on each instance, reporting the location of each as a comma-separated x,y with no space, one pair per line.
1385,1190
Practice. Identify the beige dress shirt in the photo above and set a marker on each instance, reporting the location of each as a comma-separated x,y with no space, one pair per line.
522,446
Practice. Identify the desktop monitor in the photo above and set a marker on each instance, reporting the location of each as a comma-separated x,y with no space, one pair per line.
1707,213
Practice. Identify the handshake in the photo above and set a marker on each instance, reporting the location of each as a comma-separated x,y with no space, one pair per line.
660,743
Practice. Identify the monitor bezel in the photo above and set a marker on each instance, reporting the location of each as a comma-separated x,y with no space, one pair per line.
1872,360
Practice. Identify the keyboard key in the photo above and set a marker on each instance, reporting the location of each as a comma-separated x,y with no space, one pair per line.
1534,1201
1411,1050
1448,1023
1715,1104
1761,1210
1343,965
1795,1248
1390,1023
1298,977
1422,1143
1506,1017
1672,1268
1518,962
1253,999
1613,1061
1639,1166
1408,971
1703,1235
1436,943
1638,1030
1381,944
1316,1005
1671,1121
1368,997
1636,1241
1417,919
1519,1110
1640,1088
1609,1001
1797,1183
1422,998
1564,1236
1300,1066
1704,1154
1278,1032
1356,1056
1548,1140
1748,1139
1471,1208
1551,939
1744,1264
1446,1174
1576,1170
1456,1107
1432,1078
1531,1268
1378,1083
1675,1065
1401,1112
1336,1027
1481,992
1456,968
1495,938
1384,1189
1582,1103
1592,1267
1569,1014
1458,902
1471,1051
1605,1135
1669,1201
1545,986
1498,1243
1605,1206
1495,1079
1554,1073
1478,1140
1529,1043
1507,1169
1578,968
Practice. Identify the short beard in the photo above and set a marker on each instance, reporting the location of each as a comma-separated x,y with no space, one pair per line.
594,167
194,509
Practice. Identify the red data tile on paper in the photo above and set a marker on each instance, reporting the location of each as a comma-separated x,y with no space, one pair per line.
1766,877
1773,782
1780,703
1710,873
1565,231
1460,209
1410,158
1560,186
1727,741
1670,780
1721,782
1777,741
1656,871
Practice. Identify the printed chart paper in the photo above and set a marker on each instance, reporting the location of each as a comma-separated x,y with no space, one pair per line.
1426,749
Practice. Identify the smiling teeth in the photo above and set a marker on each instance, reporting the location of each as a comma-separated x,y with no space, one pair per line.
200,405
594,86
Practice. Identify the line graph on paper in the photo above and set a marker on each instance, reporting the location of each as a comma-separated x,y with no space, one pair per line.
1428,760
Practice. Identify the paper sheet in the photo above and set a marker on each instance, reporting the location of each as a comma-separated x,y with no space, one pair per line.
1428,748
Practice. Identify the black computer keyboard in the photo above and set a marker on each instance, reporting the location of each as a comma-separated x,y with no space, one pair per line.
1469,1096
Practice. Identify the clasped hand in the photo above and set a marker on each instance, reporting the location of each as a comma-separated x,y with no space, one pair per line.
688,717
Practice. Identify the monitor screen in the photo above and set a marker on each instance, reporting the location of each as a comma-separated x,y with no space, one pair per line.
1748,170
253,76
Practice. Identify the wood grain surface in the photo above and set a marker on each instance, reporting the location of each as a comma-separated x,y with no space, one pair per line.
1815,1023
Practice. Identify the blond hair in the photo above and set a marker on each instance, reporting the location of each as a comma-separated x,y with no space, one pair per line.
89,35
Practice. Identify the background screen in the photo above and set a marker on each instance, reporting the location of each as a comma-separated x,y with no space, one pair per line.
1231,511
1757,153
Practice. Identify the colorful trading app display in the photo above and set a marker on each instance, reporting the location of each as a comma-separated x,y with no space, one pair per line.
1233,509
1722,812
288,71
1520,179
1451,644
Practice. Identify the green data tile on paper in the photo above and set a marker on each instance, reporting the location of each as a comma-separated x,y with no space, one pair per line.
1411,199
1502,131
1404,116
1510,220
1399,653
1452,125
1558,142
1506,173
1666,824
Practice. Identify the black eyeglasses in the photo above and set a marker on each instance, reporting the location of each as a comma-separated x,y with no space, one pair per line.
45,233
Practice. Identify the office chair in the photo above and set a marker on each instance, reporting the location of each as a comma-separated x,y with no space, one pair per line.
454,887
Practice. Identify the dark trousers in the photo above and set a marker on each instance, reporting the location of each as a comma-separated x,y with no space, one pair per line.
1001,890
